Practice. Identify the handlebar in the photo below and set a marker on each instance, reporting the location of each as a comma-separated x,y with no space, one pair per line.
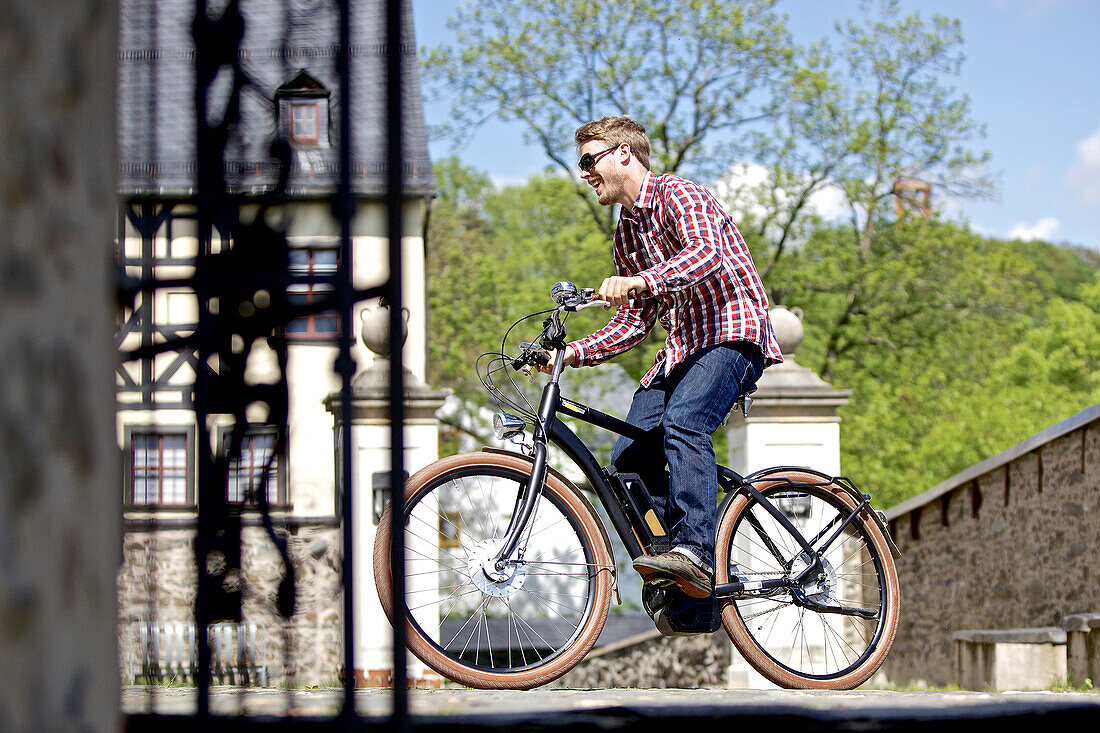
570,299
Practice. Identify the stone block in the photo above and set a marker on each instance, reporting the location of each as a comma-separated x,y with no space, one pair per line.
1082,648
1010,659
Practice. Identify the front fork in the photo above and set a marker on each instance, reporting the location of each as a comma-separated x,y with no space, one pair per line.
496,567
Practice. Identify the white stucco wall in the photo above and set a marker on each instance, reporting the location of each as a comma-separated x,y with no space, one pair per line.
310,463
760,444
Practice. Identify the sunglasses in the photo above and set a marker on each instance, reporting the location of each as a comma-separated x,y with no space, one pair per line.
588,160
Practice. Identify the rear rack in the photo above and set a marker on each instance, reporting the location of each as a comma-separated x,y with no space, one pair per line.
842,482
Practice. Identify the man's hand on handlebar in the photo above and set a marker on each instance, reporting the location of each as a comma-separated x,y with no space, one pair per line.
618,290
570,360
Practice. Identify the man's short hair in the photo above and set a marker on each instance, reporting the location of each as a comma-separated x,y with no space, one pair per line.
616,131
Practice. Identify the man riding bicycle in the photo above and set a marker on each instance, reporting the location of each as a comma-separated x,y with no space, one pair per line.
679,260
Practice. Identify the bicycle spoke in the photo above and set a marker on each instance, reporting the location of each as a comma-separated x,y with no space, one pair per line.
471,503
491,509
441,601
488,638
818,642
448,644
523,619
547,601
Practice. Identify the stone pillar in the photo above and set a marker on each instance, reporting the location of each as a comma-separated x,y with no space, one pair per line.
370,446
60,501
792,422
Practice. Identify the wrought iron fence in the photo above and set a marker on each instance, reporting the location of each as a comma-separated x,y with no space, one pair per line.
209,228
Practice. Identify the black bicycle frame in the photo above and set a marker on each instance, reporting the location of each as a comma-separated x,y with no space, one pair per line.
625,525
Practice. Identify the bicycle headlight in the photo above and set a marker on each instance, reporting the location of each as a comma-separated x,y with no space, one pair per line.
507,426
563,292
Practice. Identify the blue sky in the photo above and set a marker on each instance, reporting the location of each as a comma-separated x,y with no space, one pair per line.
1033,77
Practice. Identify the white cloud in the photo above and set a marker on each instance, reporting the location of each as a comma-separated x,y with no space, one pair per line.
501,182
1084,176
743,186
830,203
1042,229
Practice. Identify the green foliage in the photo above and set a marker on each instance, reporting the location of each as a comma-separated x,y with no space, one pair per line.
1063,684
1059,271
961,348
493,255
956,346
689,71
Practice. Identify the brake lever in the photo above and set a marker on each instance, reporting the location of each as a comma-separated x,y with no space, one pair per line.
530,352
589,304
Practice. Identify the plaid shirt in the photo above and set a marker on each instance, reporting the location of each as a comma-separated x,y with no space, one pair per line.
705,287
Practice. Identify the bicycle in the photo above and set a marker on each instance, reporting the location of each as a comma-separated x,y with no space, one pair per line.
510,572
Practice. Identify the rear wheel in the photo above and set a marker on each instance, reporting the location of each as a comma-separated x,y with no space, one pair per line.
832,631
518,627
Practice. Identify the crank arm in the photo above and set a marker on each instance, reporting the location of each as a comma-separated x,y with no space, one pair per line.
752,589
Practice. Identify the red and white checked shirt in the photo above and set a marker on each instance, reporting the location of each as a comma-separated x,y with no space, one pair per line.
705,287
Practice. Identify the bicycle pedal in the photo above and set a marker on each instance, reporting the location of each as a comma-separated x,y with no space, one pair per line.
654,599
659,581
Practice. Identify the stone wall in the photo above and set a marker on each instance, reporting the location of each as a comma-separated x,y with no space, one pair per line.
157,582
59,478
678,662
1011,542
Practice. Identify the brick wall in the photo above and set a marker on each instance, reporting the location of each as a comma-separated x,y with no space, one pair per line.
1011,542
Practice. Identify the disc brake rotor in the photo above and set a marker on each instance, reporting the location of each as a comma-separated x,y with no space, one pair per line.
504,581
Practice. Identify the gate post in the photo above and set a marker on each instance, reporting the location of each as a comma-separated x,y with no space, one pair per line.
370,446
793,422
60,503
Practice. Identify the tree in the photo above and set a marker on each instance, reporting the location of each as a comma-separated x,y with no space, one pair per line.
691,72
977,350
719,84
859,121
956,345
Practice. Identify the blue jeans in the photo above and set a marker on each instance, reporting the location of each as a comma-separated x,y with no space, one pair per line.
679,413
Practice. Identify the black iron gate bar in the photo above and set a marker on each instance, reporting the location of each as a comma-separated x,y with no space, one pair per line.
224,283
395,186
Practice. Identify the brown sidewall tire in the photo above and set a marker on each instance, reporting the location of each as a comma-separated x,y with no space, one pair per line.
453,669
740,635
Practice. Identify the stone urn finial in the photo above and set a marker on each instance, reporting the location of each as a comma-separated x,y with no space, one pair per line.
787,324
375,328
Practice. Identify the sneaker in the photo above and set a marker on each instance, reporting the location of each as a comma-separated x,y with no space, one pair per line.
673,568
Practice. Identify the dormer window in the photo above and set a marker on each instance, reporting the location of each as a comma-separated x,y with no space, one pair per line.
305,123
303,104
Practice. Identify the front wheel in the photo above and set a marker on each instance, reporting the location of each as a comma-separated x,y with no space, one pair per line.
512,628
835,629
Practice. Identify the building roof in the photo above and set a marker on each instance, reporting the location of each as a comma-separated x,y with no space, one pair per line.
156,128
1085,417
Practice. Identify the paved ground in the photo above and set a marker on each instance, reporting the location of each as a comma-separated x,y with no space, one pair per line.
461,704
